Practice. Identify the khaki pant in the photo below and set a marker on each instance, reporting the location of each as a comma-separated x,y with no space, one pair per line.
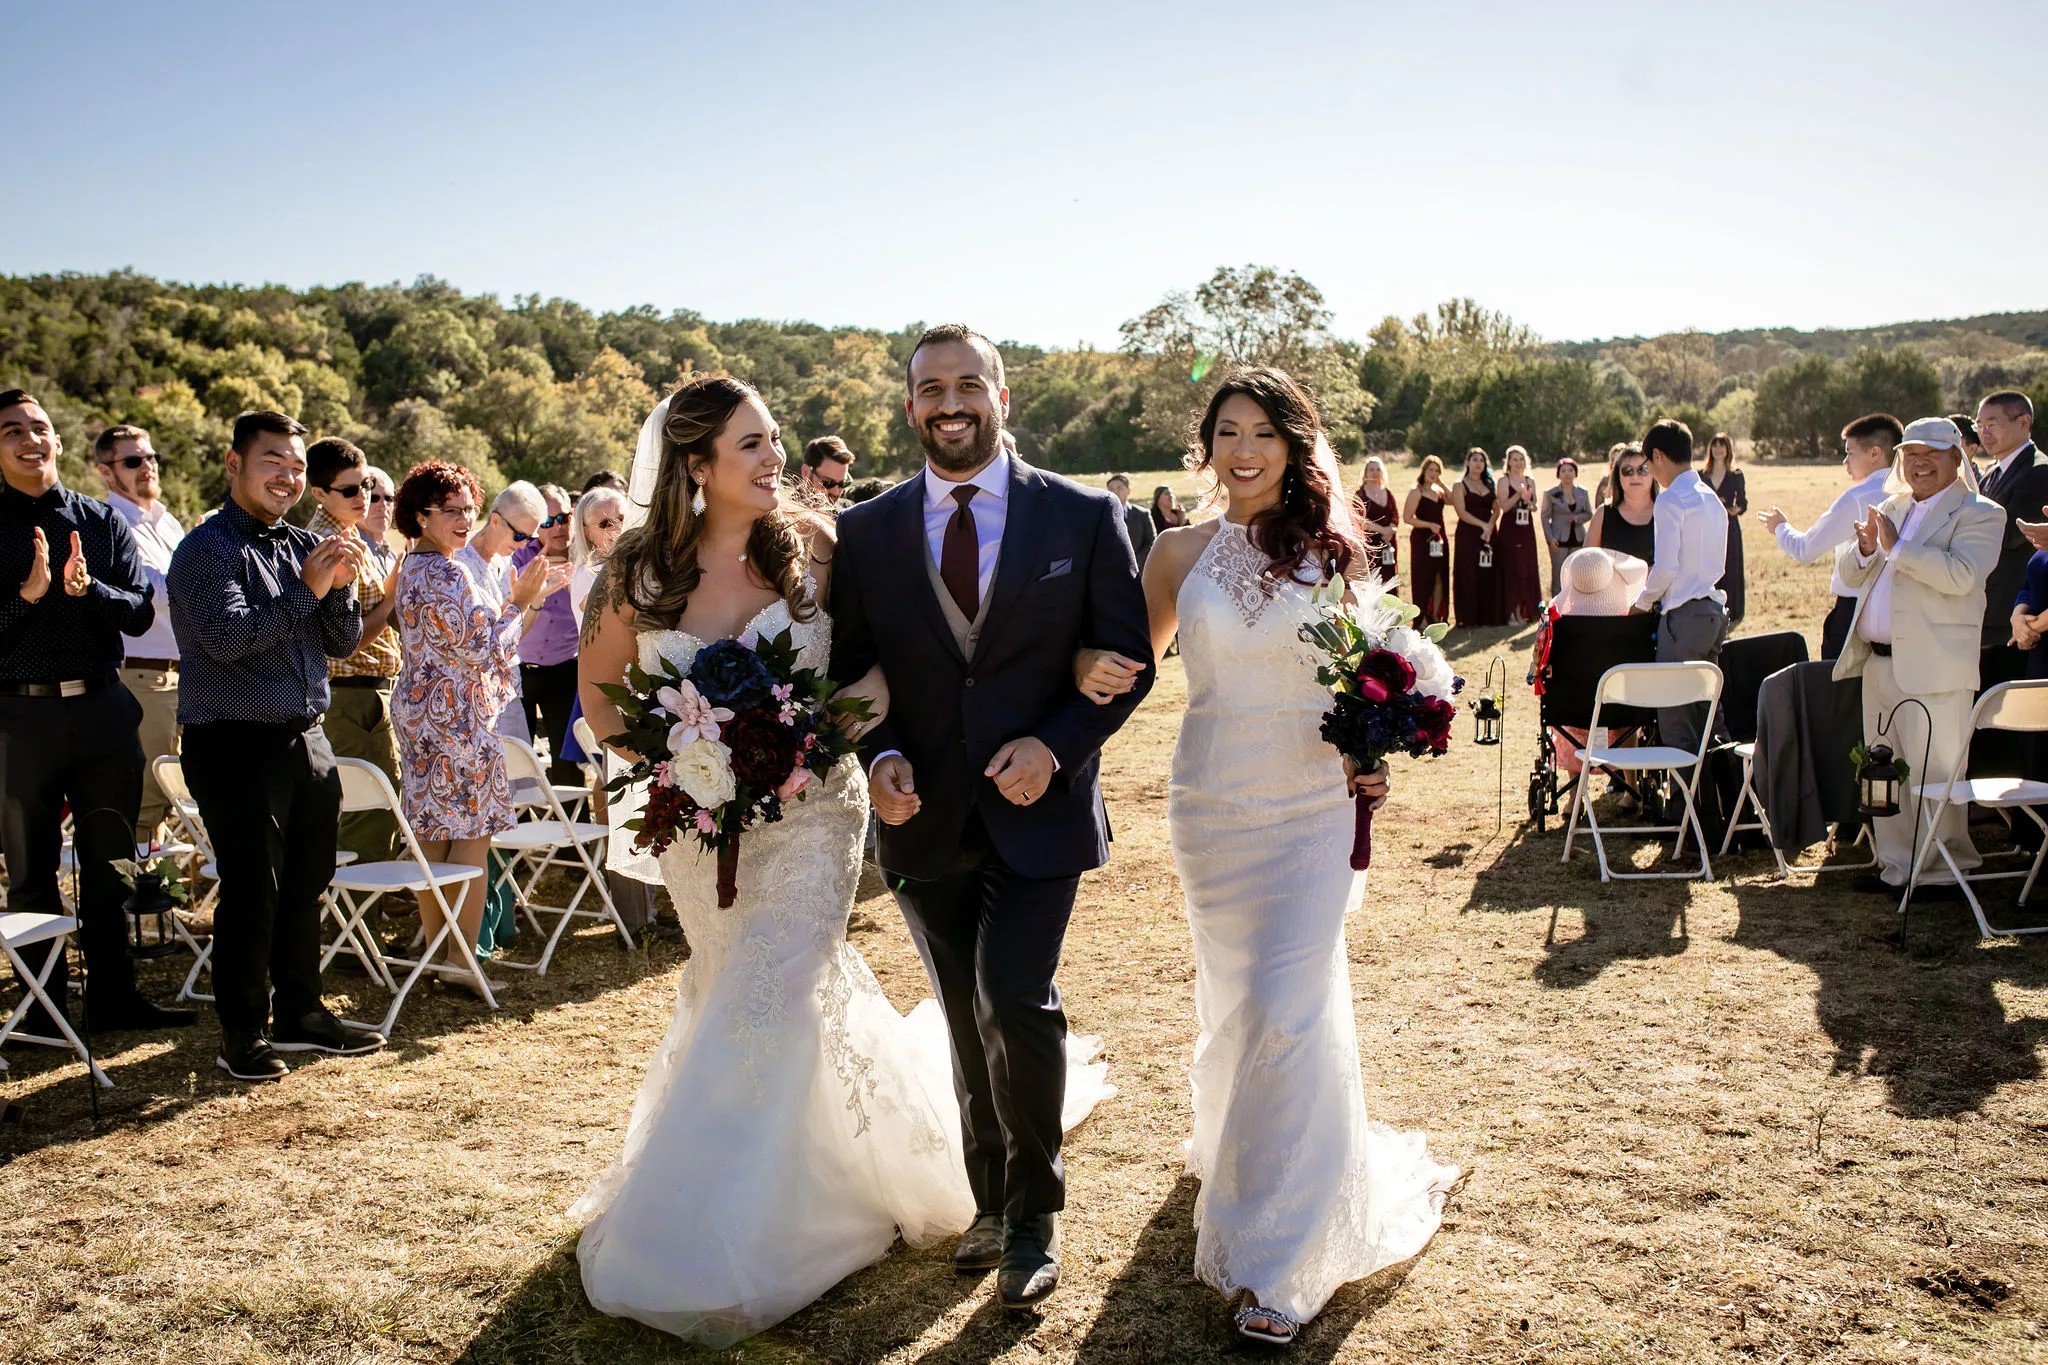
1893,835
157,693
358,725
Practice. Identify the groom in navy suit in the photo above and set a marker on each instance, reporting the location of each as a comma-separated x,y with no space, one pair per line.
973,585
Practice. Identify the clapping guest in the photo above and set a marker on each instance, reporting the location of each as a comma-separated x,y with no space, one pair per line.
1726,480
1867,446
600,517
74,586
460,641
260,606
1567,516
1521,577
1475,578
1429,563
358,719
1922,559
127,464
547,646
514,520
379,495
2016,478
1627,520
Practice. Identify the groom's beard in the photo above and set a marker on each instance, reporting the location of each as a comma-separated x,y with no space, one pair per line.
979,450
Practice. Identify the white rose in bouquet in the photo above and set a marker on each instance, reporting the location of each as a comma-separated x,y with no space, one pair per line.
704,771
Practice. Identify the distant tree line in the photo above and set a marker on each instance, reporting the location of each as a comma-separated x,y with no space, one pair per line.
548,390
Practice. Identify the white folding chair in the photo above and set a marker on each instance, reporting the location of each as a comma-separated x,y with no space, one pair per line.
359,886
1747,797
2021,707
1650,686
19,929
593,752
532,847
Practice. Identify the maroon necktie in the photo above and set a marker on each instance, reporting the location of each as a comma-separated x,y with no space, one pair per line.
960,556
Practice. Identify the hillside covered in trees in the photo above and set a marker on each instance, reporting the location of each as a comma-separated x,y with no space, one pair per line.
545,389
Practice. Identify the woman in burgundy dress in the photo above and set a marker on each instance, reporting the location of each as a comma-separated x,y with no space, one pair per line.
1514,543
1429,554
1475,576
1726,480
1379,520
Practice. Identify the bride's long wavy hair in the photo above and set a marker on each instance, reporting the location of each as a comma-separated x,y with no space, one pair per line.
654,567
1311,522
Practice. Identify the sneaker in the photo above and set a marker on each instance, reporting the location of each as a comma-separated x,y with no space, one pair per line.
322,1032
250,1057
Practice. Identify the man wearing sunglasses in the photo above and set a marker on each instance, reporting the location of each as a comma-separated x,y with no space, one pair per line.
828,465
358,719
127,465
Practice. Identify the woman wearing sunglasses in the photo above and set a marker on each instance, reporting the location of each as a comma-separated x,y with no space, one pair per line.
1627,521
600,516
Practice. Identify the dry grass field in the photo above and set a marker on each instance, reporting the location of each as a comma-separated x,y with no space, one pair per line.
1723,1121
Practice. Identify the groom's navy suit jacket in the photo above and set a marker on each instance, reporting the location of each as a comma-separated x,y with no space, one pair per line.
1065,577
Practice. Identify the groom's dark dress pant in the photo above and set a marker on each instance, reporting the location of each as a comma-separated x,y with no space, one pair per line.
990,940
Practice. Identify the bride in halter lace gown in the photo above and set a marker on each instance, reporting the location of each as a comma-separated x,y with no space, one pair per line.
792,1123
1301,1192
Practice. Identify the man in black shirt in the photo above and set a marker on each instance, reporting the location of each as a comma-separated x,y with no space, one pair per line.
260,606
71,585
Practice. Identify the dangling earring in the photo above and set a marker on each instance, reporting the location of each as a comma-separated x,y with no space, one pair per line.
697,501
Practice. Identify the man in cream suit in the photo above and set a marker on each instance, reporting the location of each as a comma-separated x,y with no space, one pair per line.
1921,562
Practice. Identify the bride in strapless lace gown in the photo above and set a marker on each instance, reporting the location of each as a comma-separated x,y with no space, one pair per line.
792,1124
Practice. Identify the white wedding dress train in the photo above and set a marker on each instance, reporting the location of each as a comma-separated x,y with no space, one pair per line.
792,1123
1301,1192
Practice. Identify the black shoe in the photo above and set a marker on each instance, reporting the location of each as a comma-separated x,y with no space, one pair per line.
133,1010
1030,1270
981,1246
250,1057
322,1032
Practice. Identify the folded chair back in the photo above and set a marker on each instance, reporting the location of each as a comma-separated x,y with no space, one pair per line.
1654,686
2013,706
364,788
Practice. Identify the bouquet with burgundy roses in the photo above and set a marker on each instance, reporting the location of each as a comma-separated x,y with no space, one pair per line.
1390,685
726,743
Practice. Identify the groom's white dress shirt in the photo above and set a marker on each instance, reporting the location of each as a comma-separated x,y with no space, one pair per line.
1692,546
991,508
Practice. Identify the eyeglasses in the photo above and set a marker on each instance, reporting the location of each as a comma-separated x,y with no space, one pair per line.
559,519
462,514
830,485
345,490
135,461
610,523
382,497
1634,471
519,537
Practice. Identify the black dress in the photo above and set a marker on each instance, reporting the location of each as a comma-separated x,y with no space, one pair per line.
1734,494
1380,524
1619,534
1429,576
1475,588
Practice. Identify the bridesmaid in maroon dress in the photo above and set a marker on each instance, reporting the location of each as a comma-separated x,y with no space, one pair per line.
1379,520
1514,543
1475,573
1429,555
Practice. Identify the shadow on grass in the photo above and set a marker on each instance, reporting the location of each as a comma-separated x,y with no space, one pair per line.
544,1319
1616,921
1156,1311
1929,1022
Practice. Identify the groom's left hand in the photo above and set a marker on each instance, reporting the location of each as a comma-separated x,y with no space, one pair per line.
1023,770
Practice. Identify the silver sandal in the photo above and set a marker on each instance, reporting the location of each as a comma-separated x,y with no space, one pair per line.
1271,1335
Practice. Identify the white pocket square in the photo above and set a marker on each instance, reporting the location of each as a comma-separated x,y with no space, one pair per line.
1059,567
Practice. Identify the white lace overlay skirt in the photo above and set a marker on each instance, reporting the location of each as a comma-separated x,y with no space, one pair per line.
1301,1193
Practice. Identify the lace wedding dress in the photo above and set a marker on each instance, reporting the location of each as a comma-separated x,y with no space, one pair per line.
792,1123
1300,1191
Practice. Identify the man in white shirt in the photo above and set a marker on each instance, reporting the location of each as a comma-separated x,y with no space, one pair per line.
1691,555
1922,558
1868,444
127,465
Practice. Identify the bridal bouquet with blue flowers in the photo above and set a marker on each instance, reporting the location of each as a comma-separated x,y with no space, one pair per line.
1390,685
724,744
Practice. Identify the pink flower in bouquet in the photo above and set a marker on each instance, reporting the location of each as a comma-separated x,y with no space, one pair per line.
798,781
705,824
695,717
783,691
1383,674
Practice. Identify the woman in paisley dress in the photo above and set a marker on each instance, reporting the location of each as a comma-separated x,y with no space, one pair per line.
460,659
792,1124
1301,1192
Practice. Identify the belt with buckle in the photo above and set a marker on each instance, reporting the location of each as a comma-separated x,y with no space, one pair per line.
152,665
70,687
1881,651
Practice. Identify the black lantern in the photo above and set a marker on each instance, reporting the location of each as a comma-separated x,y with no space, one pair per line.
150,899
1487,715
1877,782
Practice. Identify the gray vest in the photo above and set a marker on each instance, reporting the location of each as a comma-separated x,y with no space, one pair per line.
966,633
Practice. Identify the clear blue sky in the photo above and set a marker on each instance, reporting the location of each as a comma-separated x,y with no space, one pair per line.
1044,170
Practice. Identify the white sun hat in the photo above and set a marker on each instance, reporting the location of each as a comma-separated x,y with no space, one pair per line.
1597,582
